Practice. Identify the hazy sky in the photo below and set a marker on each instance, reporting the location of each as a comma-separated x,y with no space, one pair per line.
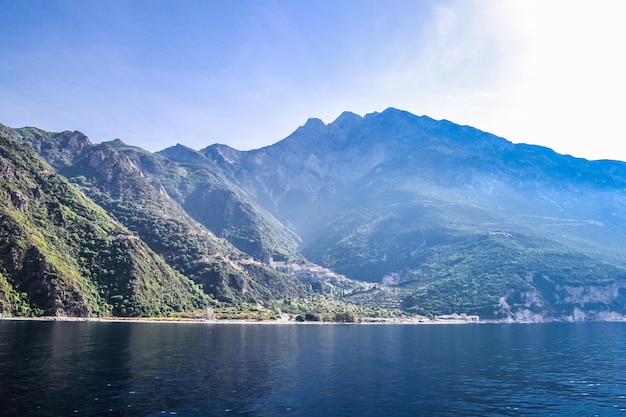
248,73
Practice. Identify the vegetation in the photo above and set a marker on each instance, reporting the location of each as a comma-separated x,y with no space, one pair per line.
112,179
215,202
435,218
60,254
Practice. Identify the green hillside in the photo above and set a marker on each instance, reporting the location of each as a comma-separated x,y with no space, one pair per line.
389,213
60,254
110,175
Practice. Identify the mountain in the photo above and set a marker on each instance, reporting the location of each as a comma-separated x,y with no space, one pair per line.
216,203
390,213
110,174
63,255
456,219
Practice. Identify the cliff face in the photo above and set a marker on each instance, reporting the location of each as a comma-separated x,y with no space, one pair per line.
564,302
60,254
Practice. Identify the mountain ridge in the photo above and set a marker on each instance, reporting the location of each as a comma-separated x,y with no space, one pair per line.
353,175
438,217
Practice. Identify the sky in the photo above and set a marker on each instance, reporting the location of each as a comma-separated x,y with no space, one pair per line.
247,73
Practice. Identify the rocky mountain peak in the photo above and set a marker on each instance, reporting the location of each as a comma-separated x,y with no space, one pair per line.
115,143
182,153
313,126
347,118
74,141
222,152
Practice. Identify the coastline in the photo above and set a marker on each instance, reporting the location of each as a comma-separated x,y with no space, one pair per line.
284,319
287,319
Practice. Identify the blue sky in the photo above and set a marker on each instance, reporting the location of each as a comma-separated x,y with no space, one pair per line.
248,73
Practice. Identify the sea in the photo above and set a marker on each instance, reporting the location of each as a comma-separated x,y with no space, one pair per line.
90,368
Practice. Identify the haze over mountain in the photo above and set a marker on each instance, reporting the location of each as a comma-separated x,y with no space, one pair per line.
438,218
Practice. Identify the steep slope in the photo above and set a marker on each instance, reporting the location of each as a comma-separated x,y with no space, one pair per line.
60,254
394,157
405,200
186,245
217,203
108,175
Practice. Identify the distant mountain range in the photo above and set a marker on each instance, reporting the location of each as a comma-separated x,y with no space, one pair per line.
390,213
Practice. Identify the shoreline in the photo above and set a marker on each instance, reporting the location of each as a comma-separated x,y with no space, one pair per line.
283,320
286,319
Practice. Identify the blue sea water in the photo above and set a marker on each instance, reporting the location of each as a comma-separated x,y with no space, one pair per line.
157,369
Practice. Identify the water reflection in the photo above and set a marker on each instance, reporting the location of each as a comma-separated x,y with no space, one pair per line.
87,368
54,368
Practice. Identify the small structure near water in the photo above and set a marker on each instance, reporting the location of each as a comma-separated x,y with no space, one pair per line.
458,318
